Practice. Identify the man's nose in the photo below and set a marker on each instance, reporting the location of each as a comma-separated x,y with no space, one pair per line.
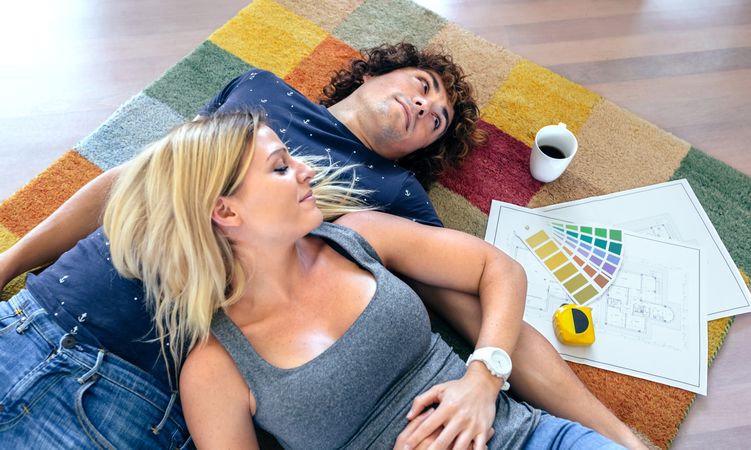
422,105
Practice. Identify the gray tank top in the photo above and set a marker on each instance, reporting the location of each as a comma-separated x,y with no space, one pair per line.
356,393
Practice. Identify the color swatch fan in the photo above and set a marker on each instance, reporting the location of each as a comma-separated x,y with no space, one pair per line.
585,260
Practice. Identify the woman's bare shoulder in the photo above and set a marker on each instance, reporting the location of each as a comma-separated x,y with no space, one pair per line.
366,222
206,363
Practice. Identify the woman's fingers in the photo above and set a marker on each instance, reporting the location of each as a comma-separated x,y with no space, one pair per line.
410,429
463,441
481,440
422,401
450,431
463,415
437,420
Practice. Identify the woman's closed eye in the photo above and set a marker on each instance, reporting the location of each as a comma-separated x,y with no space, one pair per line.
281,168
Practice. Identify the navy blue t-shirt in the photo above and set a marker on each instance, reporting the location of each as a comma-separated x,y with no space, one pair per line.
310,129
87,297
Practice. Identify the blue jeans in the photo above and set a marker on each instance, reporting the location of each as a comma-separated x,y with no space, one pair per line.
555,433
58,393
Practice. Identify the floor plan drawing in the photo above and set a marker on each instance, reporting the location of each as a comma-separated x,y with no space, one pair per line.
649,322
669,211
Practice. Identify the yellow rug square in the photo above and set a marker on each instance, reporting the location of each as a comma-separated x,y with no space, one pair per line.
533,97
7,238
269,36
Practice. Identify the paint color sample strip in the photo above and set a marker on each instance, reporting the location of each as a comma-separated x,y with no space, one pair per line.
583,259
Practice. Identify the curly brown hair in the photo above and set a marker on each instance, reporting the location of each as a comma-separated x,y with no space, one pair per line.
462,135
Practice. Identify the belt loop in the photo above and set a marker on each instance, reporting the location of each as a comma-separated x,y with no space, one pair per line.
156,429
26,319
97,365
25,324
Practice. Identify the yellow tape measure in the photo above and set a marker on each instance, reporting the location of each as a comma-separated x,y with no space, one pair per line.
573,325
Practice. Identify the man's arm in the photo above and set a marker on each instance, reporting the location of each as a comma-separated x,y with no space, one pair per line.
75,219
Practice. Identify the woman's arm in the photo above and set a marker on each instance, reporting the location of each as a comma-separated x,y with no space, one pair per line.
72,221
216,402
453,260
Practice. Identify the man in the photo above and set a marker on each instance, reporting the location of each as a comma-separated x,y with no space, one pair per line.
396,103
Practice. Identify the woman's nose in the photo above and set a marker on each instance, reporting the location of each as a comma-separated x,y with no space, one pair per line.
305,173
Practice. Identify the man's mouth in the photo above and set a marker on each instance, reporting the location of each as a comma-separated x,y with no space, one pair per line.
407,113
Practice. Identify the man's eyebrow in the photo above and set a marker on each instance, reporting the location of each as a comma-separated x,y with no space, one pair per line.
280,149
446,116
436,86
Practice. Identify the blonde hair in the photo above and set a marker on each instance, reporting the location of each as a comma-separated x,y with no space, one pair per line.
158,221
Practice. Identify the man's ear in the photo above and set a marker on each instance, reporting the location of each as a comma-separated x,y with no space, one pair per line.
223,214
366,78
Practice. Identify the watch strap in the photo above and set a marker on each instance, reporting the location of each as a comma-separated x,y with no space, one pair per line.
483,355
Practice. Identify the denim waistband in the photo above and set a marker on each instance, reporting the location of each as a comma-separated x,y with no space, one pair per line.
98,361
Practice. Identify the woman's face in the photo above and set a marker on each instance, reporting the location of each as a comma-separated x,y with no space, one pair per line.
275,200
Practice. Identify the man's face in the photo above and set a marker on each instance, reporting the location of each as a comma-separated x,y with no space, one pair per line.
403,111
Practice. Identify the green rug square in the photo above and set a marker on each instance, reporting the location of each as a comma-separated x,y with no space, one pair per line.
725,194
135,124
389,21
196,79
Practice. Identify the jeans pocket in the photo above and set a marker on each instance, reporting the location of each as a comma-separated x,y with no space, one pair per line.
27,394
114,416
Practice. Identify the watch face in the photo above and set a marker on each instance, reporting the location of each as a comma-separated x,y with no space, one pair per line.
501,361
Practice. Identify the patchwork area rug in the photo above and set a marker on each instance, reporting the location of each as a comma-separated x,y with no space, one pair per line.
303,43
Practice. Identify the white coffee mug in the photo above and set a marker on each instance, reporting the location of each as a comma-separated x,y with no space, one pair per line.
553,150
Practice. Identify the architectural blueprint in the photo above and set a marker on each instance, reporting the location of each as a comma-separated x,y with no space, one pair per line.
649,323
669,211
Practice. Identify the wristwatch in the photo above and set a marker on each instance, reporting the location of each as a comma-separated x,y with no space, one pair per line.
496,360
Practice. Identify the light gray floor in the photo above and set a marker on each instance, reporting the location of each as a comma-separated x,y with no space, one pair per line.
66,66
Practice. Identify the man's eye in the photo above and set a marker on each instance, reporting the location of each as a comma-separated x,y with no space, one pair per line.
436,123
281,169
424,86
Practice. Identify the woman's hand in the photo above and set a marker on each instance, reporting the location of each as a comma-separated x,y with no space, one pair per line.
409,430
464,416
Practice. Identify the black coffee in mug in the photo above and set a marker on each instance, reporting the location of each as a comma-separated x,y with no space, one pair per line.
553,152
